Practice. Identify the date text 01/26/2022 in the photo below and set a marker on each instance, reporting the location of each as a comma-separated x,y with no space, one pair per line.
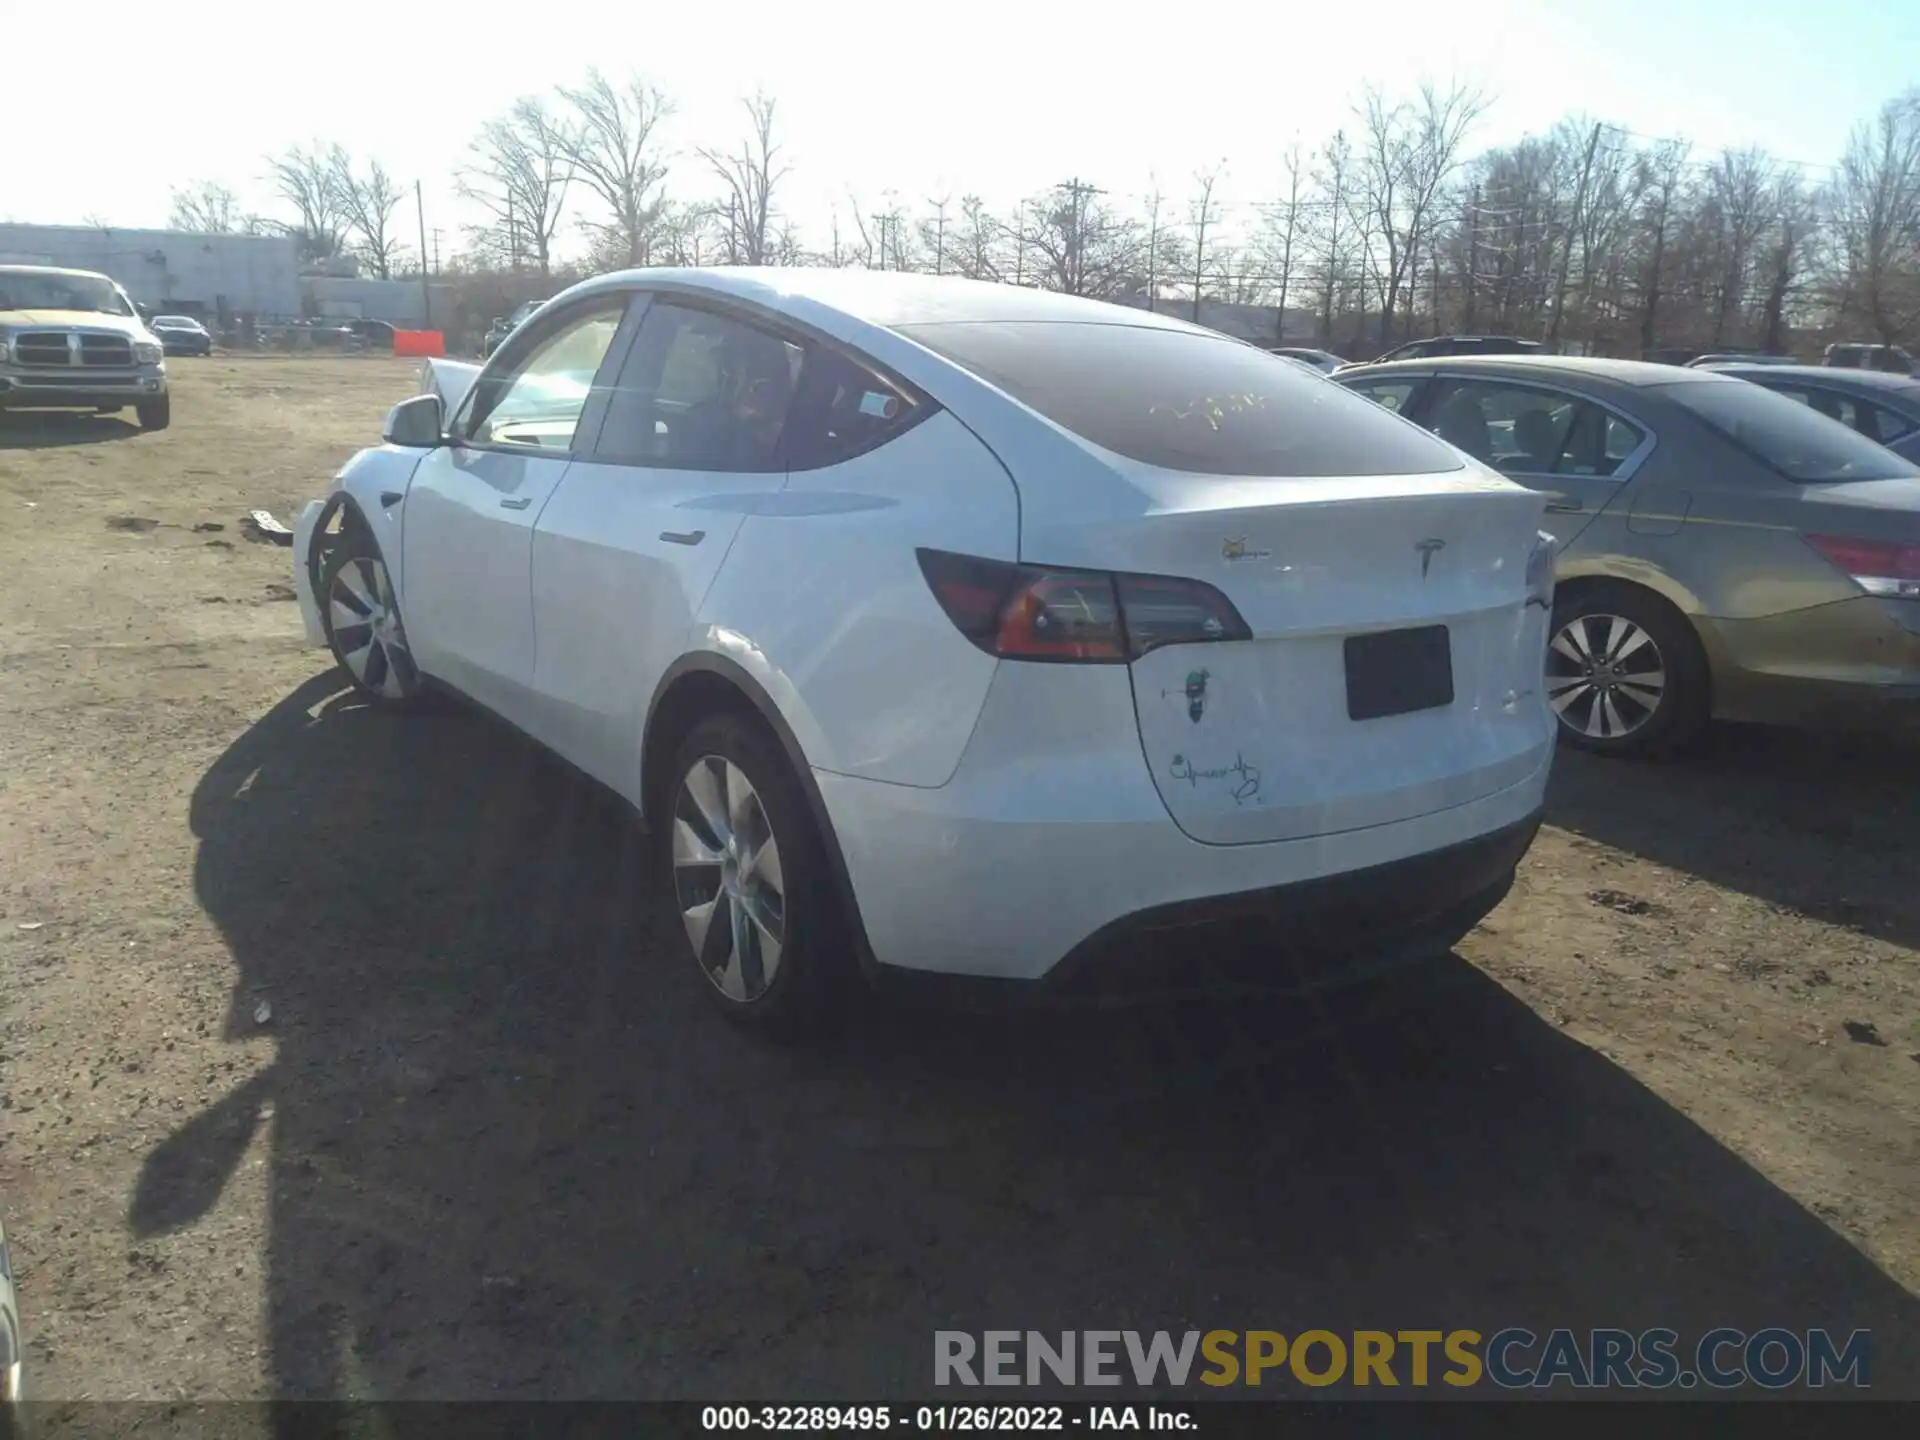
995,1419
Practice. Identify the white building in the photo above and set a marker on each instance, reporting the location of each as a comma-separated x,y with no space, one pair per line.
171,270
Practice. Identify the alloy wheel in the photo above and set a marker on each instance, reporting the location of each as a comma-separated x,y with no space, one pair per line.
727,878
367,630
1606,677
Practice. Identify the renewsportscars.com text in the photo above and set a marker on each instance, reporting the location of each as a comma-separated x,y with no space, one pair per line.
1513,1358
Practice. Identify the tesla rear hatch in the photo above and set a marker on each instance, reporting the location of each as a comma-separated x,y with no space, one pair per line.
1332,621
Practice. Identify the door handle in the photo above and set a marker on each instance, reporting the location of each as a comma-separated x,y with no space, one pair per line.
687,537
1565,507
520,503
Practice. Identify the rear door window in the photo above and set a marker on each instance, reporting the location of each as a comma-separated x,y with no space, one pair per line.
1524,430
842,409
1395,395
1185,400
1794,440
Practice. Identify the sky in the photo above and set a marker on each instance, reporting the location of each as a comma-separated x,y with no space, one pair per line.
995,98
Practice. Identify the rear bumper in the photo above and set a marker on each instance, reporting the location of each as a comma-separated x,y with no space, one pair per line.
1854,662
1055,844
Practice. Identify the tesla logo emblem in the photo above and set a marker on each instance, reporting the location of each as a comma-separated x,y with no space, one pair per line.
1428,549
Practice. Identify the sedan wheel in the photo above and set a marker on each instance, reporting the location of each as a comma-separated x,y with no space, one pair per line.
363,622
728,879
1606,677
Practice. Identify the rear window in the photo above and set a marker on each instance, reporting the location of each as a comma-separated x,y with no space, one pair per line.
1786,435
1187,402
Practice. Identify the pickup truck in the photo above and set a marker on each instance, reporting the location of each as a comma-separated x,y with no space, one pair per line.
72,340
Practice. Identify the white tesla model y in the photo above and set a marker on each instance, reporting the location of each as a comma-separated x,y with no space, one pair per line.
950,627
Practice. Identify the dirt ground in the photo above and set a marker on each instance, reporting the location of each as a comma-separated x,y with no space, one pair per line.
339,1057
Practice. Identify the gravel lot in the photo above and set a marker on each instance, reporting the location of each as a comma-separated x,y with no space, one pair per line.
487,1143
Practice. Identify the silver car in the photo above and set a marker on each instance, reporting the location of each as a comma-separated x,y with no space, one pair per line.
1881,406
1723,551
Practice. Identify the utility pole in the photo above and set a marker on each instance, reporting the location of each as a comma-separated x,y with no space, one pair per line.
939,236
513,237
1566,253
426,290
733,230
1153,251
1020,244
1075,248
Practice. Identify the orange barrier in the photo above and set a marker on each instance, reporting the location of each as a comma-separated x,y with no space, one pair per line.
421,343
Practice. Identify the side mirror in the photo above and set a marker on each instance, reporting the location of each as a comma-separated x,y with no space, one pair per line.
419,423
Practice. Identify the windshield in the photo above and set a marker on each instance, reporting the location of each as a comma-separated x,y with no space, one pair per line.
177,322
62,292
1187,401
1801,444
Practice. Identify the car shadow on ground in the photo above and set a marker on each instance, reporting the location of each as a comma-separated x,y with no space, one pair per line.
46,429
1820,823
514,1156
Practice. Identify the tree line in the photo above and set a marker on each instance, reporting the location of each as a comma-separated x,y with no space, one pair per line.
1587,237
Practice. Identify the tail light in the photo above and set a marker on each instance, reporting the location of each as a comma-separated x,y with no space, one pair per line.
1879,567
1542,570
1042,612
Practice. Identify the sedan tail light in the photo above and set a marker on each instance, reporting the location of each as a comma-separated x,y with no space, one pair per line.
1879,567
1046,613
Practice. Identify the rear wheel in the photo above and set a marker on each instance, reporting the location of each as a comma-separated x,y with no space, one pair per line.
749,877
155,414
362,620
1625,673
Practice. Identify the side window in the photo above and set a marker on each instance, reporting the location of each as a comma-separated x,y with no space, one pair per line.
1393,394
1523,431
841,409
536,403
1884,425
701,391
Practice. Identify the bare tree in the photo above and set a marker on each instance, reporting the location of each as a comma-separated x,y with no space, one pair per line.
367,203
1660,192
1333,241
1078,243
1408,154
750,176
1281,230
977,247
304,177
520,176
207,208
1876,220
1790,228
613,148
1202,213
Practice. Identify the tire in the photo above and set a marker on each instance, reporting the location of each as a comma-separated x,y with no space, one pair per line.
768,941
155,414
1626,674
364,630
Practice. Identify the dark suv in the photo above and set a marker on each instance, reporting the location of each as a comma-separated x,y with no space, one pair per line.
1890,358
1437,346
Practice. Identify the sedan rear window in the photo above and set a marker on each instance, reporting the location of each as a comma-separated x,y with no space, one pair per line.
1786,435
1186,401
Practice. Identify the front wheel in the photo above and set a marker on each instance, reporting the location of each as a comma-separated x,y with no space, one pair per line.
1625,674
155,414
748,873
362,620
